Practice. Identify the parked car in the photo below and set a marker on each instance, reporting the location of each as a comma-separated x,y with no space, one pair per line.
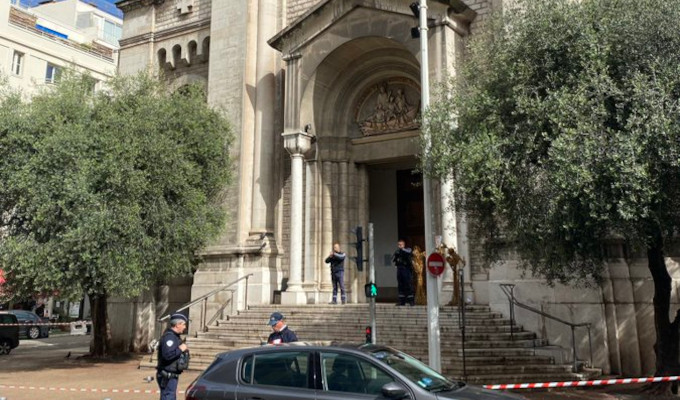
9,335
307,372
30,329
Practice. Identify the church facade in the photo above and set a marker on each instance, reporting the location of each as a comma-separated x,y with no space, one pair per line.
324,97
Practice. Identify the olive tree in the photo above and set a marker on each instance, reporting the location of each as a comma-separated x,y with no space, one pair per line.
108,193
562,132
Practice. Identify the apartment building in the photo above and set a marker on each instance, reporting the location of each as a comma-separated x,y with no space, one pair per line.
39,39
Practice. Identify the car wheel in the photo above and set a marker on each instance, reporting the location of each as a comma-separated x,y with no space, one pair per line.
33,332
5,347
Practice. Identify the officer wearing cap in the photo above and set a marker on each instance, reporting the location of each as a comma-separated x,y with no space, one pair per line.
281,332
172,357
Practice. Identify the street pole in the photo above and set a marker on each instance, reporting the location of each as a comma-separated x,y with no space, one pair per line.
433,347
371,278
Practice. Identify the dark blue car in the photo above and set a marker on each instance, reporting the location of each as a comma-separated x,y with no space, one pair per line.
31,327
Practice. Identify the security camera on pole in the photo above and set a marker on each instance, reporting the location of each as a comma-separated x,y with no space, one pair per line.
434,350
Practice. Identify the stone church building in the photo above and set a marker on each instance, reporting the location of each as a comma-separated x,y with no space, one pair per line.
324,97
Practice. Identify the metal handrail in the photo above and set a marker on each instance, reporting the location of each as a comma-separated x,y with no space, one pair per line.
509,291
212,292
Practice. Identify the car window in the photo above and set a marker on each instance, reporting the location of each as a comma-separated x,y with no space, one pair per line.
414,370
6,319
351,374
21,315
277,369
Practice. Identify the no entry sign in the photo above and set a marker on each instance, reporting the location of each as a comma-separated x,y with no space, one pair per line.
435,264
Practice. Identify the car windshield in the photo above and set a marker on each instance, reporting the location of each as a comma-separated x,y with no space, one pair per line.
414,370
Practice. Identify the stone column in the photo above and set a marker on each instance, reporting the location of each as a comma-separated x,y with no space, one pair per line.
326,225
297,144
263,146
311,283
454,232
449,235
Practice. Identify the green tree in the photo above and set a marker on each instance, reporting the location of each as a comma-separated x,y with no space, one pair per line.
108,193
561,133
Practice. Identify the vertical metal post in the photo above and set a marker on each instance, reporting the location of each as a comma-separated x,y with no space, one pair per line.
204,310
433,350
590,345
512,313
371,278
245,300
462,322
573,348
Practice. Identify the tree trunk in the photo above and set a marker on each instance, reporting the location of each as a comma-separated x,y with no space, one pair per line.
99,346
667,338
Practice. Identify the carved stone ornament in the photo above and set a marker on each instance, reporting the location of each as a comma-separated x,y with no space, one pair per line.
390,106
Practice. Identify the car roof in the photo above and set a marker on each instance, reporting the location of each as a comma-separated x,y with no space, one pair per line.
8,313
308,346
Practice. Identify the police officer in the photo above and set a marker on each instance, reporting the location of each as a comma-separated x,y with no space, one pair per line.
337,261
281,332
171,354
402,260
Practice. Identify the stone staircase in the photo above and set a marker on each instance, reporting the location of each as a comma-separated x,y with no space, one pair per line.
491,355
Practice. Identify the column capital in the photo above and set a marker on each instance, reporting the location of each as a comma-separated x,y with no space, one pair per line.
297,143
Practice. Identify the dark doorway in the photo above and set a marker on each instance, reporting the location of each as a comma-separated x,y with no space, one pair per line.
410,208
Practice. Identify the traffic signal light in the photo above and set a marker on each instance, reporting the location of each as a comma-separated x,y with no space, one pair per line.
368,335
359,246
371,290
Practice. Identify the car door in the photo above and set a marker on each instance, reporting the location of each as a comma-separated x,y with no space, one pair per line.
350,377
23,319
284,374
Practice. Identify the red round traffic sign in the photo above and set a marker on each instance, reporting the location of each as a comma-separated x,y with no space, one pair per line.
436,264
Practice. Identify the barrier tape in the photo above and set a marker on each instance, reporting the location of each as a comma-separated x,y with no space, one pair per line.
50,324
599,382
84,390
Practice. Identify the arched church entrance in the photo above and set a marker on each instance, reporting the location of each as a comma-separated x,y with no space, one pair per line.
396,211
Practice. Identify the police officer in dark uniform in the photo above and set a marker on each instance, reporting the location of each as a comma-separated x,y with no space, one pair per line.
281,332
402,260
172,357
337,261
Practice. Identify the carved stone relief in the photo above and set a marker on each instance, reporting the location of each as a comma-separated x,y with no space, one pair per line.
390,106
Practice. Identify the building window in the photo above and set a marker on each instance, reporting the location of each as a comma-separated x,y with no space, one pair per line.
111,32
51,73
17,63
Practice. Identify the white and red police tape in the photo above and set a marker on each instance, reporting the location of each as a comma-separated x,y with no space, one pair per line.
51,323
82,390
598,382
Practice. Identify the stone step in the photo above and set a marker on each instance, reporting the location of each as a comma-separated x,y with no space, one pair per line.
349,311
490,354
379,307
325,333
348,319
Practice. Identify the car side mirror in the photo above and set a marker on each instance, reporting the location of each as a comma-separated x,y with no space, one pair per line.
393,390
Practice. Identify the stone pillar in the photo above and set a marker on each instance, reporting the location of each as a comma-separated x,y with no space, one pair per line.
263,147
464,253
310,283
326,224
449,235
343,237
297,144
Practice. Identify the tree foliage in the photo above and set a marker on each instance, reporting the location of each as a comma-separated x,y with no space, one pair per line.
111,192
561,131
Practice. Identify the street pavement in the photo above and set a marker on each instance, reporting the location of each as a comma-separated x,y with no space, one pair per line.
57,365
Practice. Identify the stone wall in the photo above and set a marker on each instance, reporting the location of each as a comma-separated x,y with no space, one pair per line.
298,7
